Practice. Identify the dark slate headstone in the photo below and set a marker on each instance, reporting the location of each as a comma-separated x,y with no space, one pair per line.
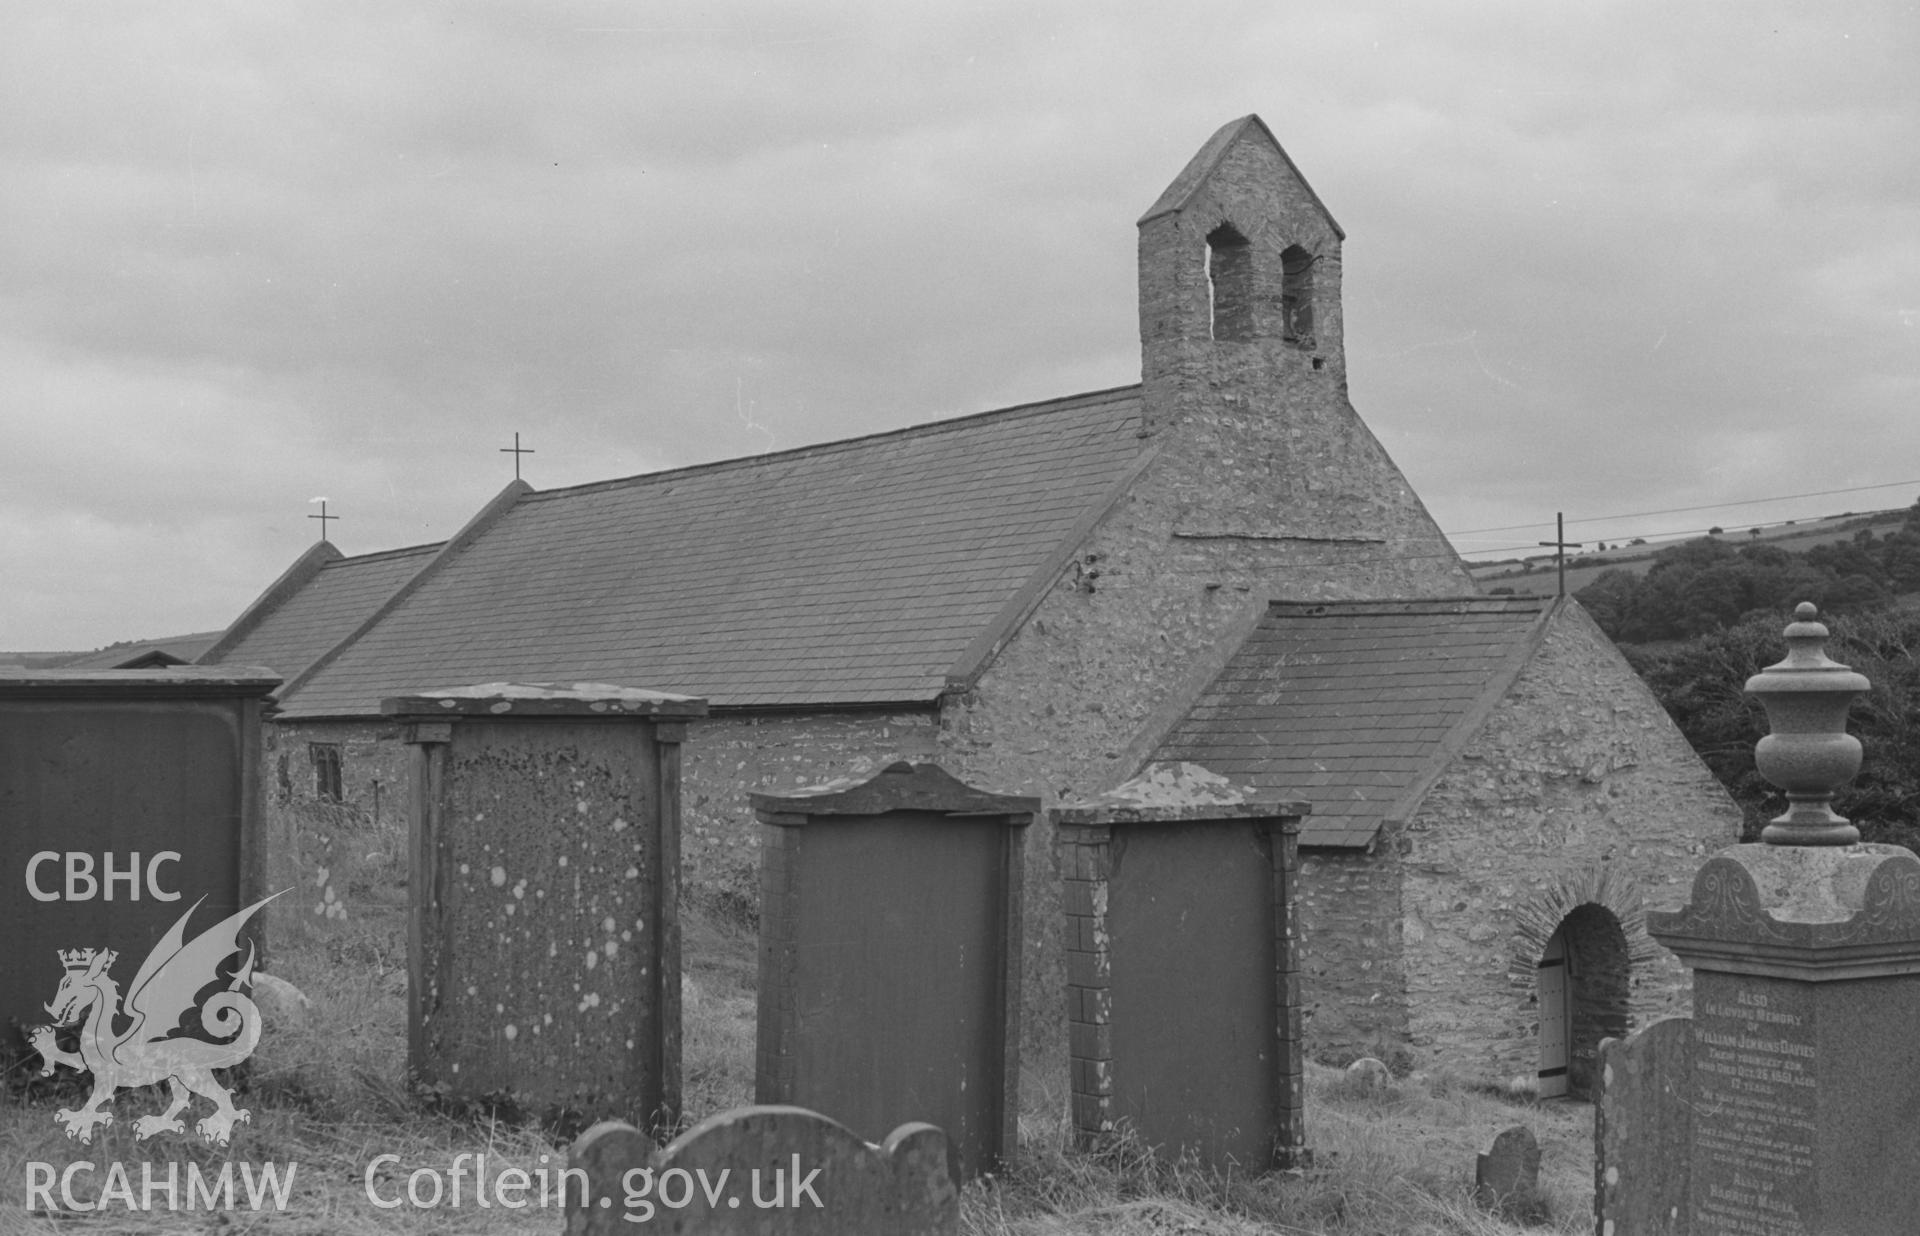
1178,892
1506,1179
126,798
1643,1131
721,1178
544,941
890,957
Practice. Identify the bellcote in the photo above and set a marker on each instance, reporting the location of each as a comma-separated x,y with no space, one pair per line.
1239,254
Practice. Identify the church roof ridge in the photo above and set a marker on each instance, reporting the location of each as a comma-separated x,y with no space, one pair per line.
948,424
378,555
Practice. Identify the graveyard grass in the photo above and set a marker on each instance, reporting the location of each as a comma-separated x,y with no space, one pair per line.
333,1096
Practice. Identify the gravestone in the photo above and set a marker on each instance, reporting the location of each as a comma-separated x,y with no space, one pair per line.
1506,1179
1805,1081
1369,1074
1182,968
762,1171
126,796
1806,1065
890,957
544,941
1643,1130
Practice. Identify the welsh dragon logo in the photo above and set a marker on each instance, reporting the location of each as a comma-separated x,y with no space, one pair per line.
163,990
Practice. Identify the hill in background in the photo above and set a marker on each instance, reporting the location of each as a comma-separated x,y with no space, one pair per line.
1534,575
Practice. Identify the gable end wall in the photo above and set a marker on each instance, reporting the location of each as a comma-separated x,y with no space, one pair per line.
1103,654
1578,787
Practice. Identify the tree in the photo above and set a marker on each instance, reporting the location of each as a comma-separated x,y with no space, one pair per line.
1611,597
1700,684
1706,584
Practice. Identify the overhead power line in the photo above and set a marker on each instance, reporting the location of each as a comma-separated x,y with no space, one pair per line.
1683,510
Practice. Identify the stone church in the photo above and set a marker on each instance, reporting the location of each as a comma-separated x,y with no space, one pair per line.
1041,599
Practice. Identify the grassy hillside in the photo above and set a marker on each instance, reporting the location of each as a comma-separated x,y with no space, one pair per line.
1535,575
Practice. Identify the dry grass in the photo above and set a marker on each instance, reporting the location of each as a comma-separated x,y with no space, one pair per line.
1397,1162
333,1097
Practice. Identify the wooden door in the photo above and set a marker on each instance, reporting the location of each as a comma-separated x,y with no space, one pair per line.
1551,987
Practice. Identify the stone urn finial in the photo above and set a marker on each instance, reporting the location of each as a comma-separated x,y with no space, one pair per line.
1809,754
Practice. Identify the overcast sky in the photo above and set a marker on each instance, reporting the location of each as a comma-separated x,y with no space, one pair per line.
1601,258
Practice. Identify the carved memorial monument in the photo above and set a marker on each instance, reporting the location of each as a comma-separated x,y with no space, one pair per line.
1804,1087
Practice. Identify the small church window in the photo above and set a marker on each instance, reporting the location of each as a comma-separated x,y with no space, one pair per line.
1296,295
326,770
1230,283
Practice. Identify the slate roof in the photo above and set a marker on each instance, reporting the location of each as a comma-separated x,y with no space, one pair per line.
169,650
328,608
867,571
1357,706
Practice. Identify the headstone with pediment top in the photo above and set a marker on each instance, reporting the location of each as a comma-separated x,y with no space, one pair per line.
1805,1081
890,957
1182,968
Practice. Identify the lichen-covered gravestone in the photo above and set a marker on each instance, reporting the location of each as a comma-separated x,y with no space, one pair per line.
545,941
1643,1130
1183,999
890,950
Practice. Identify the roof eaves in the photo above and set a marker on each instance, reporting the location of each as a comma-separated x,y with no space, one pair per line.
922,703
1418,605
1340,838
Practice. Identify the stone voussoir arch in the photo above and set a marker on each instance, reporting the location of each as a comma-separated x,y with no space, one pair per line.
1539,916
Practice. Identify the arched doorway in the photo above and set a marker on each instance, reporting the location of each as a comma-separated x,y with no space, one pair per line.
1581,984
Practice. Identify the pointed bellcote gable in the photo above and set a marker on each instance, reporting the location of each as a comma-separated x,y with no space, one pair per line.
1240,262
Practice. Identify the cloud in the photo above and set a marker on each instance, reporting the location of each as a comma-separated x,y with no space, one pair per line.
1598,257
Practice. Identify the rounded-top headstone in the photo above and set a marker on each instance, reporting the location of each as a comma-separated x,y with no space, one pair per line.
285,1013
1369,1074
1809,753
282,1005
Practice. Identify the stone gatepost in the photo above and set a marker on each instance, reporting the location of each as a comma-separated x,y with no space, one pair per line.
1805,1083
544,941
1183,987
890,950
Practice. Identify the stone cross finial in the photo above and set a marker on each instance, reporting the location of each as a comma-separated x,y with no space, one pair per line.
1809,754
